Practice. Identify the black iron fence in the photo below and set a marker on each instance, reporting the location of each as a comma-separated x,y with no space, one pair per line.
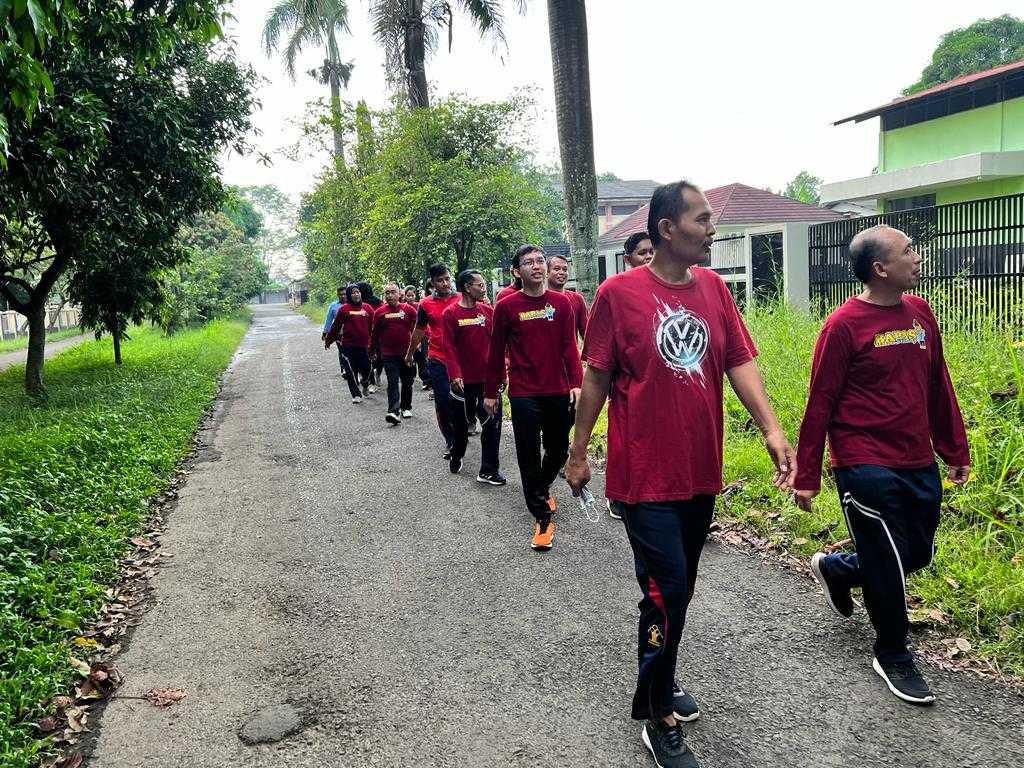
973,268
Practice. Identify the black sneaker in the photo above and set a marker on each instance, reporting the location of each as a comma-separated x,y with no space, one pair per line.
905,681
454,465
667,745
447,455
838,599
684,706
495,478
393,418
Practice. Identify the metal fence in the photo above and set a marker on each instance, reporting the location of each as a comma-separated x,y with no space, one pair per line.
973,252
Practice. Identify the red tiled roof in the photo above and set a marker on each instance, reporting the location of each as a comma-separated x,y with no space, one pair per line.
735,204
958,82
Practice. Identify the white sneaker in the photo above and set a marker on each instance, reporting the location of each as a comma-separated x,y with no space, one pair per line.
407,414
357,399
373,389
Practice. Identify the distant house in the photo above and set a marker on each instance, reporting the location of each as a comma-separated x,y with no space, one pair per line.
962,140
618,199
760,246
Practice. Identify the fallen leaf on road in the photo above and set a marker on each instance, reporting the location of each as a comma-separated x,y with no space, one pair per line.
963,644
142,542
80,666
74,760
76,718
48,724
164,697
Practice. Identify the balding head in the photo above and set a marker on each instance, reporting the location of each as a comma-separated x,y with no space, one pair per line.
874,244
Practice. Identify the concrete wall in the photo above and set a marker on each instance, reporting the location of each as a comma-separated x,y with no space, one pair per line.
979,191
13,324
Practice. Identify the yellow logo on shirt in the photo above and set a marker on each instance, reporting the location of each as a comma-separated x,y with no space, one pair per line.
357,312
478,320
914,335
394,315
548,313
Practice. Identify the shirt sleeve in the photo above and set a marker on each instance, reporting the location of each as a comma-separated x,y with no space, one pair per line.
375,323
739,346
949,437
496,353
571,352
600,348
422,319
451,354
828,372
581,315
331,312
335,330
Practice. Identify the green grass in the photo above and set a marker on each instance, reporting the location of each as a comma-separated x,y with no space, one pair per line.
11,345
977,578
75,477
315,312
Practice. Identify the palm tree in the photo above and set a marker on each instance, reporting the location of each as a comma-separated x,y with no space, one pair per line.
408,31
316,23
570,61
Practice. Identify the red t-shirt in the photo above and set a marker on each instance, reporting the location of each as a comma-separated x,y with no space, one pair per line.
392,329
579,309
668,348
467,339
539,334
880,389
428,316
353,323
508,290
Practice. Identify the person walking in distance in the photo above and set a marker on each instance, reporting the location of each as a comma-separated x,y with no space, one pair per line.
373,302
428,318
392,331
536,328
511,288
638,250
558,275
352,324
412,298
881,392
661,339
467,339
332,310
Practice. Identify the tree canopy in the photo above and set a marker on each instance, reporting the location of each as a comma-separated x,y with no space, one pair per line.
984,44
804,187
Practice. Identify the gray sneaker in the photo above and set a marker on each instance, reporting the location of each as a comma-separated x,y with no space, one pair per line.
684,706
667,745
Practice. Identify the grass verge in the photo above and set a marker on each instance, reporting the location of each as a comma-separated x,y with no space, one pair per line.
75,479
315,312
975,586
11,345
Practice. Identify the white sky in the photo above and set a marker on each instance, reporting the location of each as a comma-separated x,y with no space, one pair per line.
717,92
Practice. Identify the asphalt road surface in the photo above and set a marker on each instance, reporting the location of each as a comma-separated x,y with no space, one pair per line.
330,564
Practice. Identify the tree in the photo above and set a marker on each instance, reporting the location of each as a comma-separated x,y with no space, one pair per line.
278,238
408,31
804,187
984,44
243,213
119,156
570,60
316,23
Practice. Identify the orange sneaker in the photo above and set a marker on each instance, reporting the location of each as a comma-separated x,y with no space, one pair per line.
552,506
542,536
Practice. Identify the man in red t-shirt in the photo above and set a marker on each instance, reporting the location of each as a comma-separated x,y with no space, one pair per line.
511,288
638,250
660,339
558,276
467,339
428,317
536,329
880,390
392,331
352,324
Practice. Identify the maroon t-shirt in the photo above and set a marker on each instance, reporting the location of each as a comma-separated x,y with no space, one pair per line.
392,329
880,389
429,317
539,334
508,290
353,323
579,309
467,339
668,348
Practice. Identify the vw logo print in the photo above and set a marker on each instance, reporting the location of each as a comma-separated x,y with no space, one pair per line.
682,340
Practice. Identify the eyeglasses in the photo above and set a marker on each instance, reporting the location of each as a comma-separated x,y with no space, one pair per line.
531,262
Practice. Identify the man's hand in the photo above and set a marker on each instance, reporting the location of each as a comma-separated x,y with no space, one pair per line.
804,499
784,458
408,358
574,396
959,475
323,336
577,472
458,387
491,405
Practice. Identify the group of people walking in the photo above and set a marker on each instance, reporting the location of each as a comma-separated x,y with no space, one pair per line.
658,344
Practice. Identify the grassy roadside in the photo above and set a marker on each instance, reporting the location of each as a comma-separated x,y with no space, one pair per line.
11,345
975,587
75,478
315,312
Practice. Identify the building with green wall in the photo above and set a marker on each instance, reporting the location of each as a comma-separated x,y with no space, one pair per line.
962,140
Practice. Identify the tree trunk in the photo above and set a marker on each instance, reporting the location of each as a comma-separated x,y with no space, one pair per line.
36,349
339,134
416,55
117,346
570,60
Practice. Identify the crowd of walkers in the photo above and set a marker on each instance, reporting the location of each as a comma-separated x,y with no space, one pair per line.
658,344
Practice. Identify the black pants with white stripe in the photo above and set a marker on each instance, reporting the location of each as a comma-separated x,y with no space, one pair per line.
892,515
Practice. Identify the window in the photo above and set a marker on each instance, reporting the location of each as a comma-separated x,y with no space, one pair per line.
602,269
909,203
624,210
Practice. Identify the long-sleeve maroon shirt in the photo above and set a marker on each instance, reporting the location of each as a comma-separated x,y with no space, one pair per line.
467,340
352,322
539,333
881,391
392,329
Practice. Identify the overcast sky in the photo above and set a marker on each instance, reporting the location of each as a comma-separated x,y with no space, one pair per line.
717,92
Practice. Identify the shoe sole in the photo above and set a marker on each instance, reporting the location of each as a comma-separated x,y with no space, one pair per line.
896,691
688,719
647,743
488,482
820,578
395,420
541,547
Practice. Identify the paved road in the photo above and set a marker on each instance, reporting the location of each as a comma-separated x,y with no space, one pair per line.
327,562
19,356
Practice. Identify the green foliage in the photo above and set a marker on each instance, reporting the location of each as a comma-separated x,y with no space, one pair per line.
804,187
74,481
984,44
242,212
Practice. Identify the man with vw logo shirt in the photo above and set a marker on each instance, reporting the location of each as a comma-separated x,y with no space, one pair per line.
660,340
881,391
536,328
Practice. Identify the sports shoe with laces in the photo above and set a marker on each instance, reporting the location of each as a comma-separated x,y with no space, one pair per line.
393,418
684,706
905,681
667,745
838,599
454,465
407,413
357,399
543,534
613,511
493,478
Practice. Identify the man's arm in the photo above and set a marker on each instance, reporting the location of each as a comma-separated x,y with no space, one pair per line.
749,387
571,358
335,329
451,352
588,408
332,310
495,360
581,316
949,437
417,335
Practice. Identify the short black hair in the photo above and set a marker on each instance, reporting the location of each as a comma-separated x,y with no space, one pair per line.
464,277
865,249
667,202
412,288
634,240
437,270
341,289
525,249
561,256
